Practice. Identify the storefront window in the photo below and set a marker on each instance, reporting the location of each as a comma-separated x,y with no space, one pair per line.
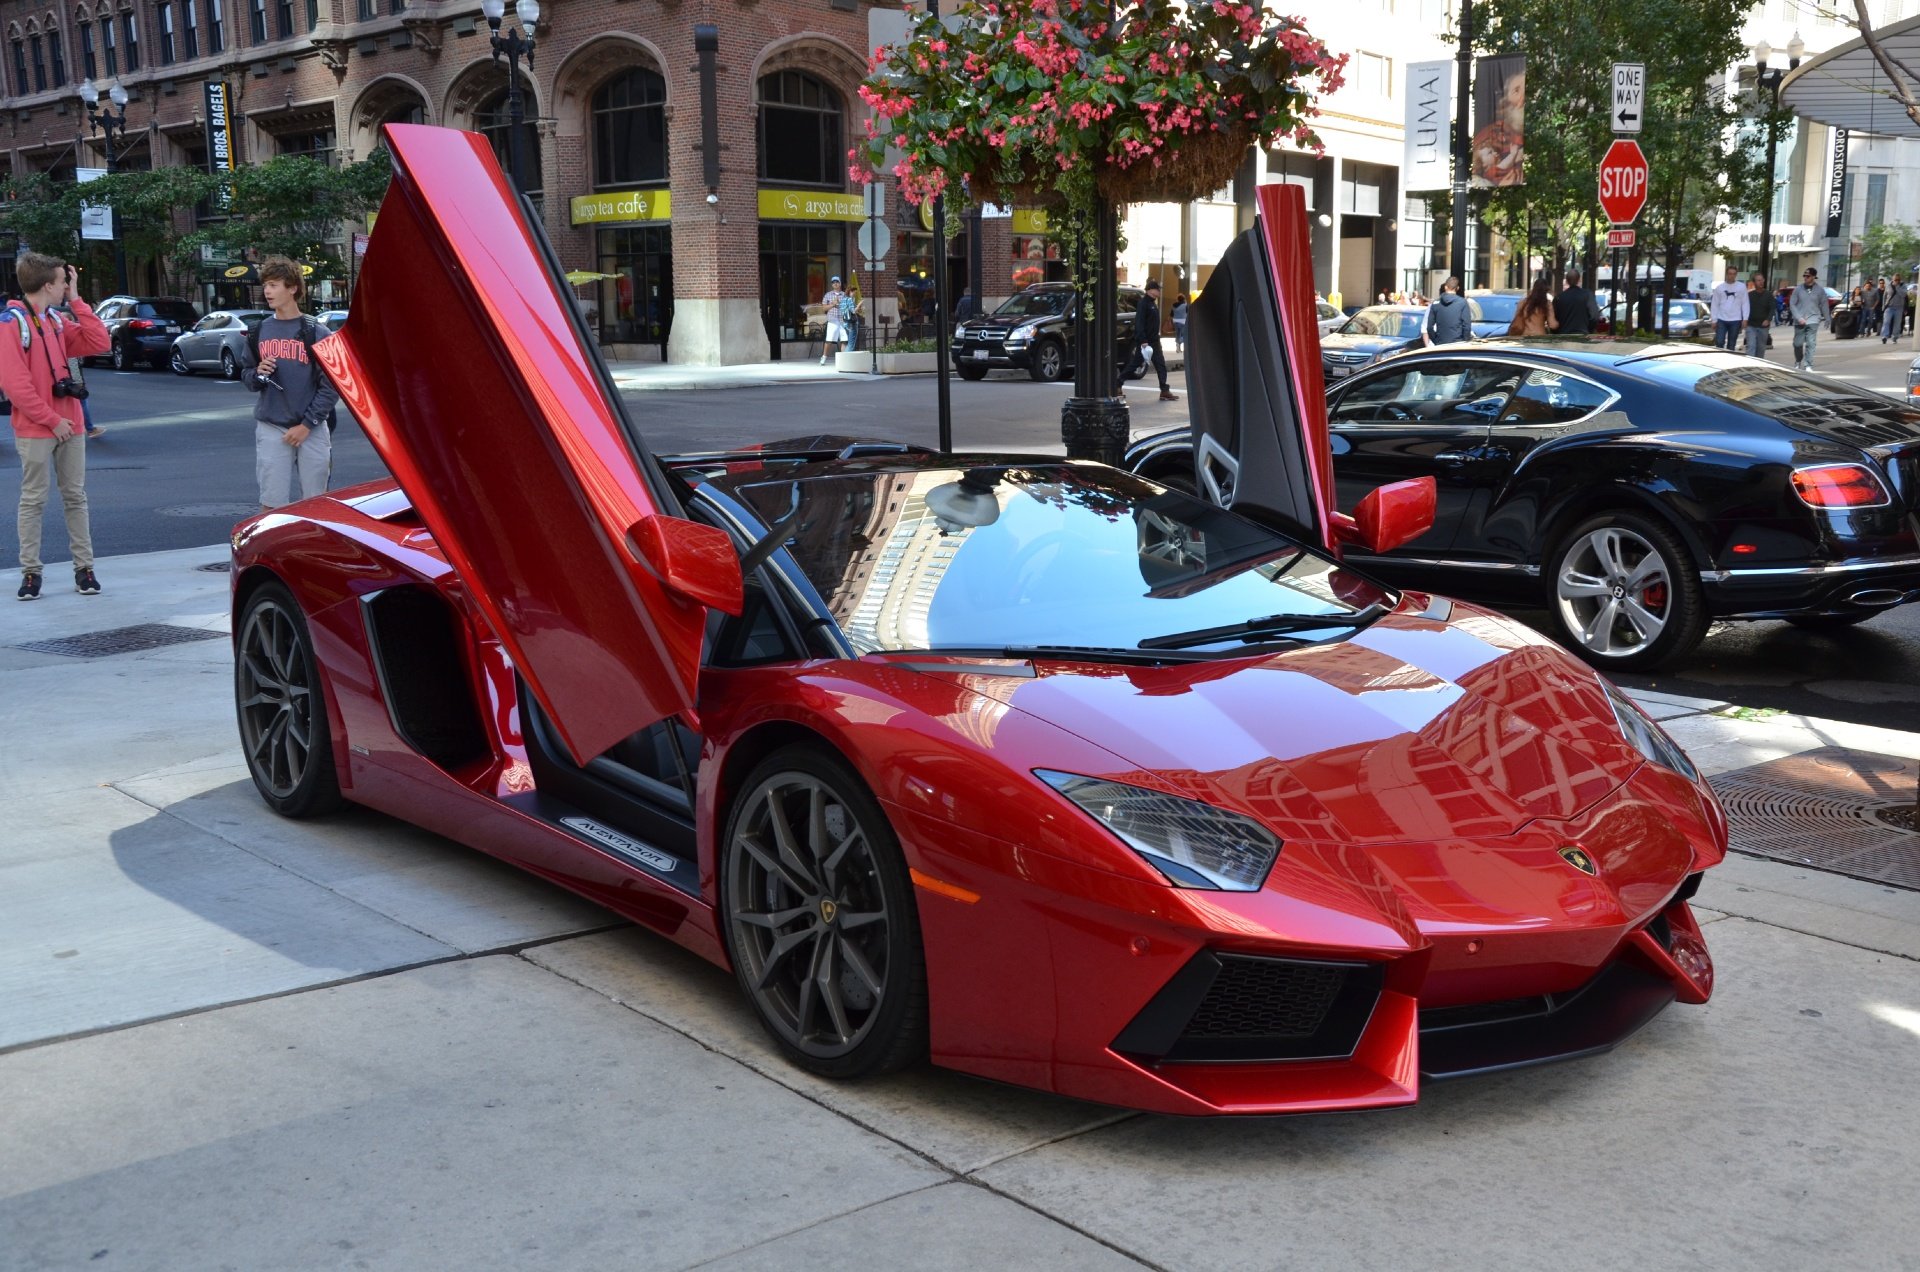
630,130
800,133
636,304
796,260
492,122
315,145
914,284
1036,259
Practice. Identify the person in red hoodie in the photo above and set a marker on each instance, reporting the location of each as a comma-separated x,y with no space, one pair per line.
49,426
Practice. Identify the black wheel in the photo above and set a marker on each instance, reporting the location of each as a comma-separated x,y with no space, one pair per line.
1623,591
121,358
229,366
1830,622
971,372
820,918
178,363
283,713
1047,361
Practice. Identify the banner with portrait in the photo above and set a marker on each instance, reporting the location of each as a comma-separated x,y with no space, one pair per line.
1499,121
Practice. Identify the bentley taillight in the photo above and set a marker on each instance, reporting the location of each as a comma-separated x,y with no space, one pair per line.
1840,486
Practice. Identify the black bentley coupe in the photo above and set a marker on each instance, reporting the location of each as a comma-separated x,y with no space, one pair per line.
1636,491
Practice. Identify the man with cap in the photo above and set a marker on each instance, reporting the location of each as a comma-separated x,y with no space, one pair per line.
835,302
1146,335
1807,307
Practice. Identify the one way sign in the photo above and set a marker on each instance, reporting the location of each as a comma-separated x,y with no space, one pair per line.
1629,96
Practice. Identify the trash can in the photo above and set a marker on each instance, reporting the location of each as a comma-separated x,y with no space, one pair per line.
1846,323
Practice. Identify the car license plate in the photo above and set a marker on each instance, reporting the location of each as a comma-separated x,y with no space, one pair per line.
979,355
1340,371
171,327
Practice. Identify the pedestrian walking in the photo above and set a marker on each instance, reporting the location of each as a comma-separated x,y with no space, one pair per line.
1759,315
1729,303
1891,325
1179,317
834,303
1575,309
1449,319
49,424
1146,335
1534,316
1874,298
292,437
1808,309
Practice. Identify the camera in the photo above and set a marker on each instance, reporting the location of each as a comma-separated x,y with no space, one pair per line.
68,387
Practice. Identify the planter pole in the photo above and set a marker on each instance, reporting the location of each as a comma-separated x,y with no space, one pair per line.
1094,421
942,345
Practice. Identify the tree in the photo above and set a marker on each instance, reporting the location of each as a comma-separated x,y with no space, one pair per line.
1889,249
291,204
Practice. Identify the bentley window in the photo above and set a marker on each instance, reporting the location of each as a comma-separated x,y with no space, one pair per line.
1552,397
1429,393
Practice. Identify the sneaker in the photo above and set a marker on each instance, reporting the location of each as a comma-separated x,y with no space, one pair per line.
95,431
1166,396
29,588
85,583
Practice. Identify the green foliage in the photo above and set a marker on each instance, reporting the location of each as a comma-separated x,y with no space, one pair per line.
922,344
1889,249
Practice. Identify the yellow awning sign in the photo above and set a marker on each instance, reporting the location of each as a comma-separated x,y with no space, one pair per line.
1030,221
811,205
620,207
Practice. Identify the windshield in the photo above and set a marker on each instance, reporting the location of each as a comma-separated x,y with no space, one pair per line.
1391,323
1035,303
1015,556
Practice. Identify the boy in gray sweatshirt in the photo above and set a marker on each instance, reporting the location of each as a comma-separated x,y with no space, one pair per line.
290,434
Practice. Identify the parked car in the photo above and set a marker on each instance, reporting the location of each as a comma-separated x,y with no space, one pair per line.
1637,492
1373,333
1689,319
1330,318
1497,307
217,342
143,327
1044,770
1034,329
332,319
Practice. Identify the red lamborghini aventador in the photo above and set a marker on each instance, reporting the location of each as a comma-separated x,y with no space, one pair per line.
1029,766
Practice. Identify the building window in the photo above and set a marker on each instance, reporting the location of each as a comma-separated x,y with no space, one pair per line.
86,51
107,50
166,33
315,145
39,65
130,24
285,19
216,28
257,21
20,67
800,131
630,130
396,6
369,9
313,14
1876,199
492,121
59,60
190,26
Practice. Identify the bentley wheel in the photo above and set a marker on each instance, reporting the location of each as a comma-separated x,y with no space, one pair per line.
971,373
228,367
820,918
178,363
1624,593
1047,361
283,713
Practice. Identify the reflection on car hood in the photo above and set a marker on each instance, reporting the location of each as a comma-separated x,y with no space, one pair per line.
1410,730
1334,342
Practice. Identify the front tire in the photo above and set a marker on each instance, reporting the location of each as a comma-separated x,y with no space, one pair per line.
282,708
1047,361
229,366
820,918
1623,593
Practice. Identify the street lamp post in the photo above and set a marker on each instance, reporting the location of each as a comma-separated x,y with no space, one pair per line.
110,122
1768,79
514,44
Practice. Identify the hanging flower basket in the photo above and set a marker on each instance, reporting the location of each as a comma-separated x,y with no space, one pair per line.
1058,103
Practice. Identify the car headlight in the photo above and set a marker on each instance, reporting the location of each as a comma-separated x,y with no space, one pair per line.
1194,845
1647,737
1019,335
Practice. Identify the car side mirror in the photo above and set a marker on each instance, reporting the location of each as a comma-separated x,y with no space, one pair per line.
1394,515
693,561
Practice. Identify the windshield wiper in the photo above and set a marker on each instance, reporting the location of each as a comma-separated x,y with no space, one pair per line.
1272,625
1075,653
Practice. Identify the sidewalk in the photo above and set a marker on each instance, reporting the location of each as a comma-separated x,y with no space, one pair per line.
232,1040
650,377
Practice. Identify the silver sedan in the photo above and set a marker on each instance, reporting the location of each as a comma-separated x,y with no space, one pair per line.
217,342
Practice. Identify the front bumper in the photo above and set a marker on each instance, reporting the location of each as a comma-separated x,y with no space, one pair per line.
988,353
1845,587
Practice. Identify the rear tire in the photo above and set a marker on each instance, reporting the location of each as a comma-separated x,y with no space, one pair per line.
121,359
178,364
282,707
1623,592
820,918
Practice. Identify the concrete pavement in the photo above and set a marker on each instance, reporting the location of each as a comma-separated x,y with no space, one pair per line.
228,1040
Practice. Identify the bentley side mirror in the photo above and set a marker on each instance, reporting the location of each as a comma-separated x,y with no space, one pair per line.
1391,516
695,562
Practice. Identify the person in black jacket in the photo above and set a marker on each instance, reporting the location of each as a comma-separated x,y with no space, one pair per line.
1759,316
1575,308
1146,335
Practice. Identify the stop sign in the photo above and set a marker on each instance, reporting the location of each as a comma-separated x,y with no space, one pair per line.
1623,182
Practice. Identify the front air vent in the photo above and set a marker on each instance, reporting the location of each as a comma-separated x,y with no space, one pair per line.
1239,1007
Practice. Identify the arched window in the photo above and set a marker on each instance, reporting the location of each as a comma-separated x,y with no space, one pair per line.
630,129
59,56
492,121
800,131
406,113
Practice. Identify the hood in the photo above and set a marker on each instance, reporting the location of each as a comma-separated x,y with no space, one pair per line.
1363,344
1412,730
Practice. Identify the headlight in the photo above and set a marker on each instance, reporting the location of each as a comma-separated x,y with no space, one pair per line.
1194,845
1020,335
1647,737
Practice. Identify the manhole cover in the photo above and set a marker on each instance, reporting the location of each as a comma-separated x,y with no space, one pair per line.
231,511
1850,812
120,640
215,567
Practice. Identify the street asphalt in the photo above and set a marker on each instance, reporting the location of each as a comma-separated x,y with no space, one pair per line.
233,1041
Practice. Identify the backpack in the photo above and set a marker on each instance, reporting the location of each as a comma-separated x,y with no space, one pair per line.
308,325
12,315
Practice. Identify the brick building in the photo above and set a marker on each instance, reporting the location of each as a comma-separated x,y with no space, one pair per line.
702,273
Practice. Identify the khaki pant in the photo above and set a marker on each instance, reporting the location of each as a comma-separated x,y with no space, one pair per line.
65,459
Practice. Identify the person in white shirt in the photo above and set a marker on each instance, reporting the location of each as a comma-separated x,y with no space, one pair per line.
1728,305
